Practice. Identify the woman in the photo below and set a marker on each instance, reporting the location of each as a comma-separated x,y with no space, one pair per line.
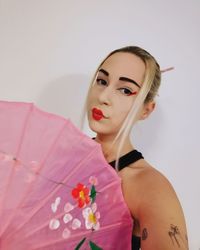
122,92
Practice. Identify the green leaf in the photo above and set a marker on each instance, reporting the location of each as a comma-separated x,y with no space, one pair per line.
93,246
93,193
80,244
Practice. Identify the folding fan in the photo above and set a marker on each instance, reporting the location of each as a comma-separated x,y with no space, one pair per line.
56,189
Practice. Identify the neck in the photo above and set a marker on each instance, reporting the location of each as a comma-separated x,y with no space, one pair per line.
110,150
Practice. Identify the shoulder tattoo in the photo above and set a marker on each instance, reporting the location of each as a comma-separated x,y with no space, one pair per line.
144,234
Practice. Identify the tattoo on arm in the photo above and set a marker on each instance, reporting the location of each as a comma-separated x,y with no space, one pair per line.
144,234
175,235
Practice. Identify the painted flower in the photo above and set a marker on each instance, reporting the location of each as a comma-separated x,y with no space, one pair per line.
66,233
54,224
91,217
81,193
93,180
54,205
67,218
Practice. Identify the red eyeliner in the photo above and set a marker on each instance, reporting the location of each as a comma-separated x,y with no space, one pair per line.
134,93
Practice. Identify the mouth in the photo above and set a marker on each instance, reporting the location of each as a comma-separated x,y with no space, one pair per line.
97,114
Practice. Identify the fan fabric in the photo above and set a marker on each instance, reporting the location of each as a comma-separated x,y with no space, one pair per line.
57,192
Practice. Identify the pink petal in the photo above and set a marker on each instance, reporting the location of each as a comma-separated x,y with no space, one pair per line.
96,226
67,218
54,224
66,233
76,224
68,207
93,180
97,214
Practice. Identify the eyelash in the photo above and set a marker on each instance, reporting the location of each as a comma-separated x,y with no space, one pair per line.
100,81
129,92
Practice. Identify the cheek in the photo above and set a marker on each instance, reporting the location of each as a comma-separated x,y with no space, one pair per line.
118,118
122,109
92,96
90,99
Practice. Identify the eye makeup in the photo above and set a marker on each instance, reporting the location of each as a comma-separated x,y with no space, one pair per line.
104,72
134,93
122,78
125,79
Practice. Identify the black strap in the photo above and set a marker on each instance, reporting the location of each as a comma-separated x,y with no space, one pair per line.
136,242
127,159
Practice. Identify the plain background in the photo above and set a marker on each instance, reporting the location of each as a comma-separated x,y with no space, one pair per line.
49,50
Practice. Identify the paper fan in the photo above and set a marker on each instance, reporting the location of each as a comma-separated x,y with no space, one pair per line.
56,189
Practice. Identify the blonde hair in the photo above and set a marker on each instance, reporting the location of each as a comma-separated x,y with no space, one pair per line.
146,94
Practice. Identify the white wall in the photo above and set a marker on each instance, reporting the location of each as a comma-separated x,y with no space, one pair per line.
49,50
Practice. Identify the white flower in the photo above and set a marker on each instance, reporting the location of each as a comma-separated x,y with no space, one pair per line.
91,217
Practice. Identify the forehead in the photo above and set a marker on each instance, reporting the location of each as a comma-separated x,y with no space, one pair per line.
123,64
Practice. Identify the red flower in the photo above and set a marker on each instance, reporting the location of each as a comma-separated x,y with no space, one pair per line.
81,193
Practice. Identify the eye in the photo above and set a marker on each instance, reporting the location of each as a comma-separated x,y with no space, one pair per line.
101,82
127,92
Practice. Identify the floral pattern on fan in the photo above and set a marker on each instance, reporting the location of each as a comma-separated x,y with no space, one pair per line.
81,193
91,217
85,199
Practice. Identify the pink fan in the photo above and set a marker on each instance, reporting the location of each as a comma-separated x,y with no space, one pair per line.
56,189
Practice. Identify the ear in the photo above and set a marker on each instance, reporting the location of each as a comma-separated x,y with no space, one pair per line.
147,109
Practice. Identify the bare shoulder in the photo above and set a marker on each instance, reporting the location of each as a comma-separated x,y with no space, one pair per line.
142,181
153,202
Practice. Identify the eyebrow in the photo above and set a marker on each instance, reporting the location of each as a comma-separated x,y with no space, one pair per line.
122,78
125,79
104,72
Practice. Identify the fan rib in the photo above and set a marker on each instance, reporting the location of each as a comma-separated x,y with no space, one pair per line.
31,184
9,181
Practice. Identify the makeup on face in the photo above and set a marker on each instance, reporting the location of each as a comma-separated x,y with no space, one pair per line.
134,93
104,72
125,79
122,78
97,114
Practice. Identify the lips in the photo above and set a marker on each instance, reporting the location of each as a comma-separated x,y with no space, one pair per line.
97,114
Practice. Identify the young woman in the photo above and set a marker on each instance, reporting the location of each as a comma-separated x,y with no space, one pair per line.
122,92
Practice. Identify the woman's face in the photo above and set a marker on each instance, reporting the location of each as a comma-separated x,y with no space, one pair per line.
111,97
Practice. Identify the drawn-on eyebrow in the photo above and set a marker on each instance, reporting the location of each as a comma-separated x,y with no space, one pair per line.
125,79
122,78
104,72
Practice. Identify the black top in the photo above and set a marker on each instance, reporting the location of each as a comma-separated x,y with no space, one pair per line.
124,161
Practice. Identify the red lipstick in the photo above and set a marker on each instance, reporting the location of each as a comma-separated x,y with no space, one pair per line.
97,114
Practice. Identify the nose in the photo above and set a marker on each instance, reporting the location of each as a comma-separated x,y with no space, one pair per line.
106,95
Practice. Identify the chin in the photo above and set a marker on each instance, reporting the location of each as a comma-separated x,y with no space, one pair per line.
97,128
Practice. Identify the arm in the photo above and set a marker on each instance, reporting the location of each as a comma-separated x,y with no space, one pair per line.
162,224
155,205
